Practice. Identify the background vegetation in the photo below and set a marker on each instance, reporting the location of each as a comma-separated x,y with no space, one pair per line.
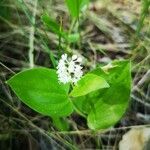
110,29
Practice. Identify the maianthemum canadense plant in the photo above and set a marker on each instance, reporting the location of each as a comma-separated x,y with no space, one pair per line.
101,95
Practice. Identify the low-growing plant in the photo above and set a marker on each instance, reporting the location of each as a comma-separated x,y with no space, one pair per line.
101,95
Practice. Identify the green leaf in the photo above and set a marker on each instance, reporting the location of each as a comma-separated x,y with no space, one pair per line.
52,25
5,11
83,4
88,83
72,38
85,103
113,101
106,117
75,6
40,90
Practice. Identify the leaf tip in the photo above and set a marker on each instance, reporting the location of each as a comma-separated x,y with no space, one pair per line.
7,82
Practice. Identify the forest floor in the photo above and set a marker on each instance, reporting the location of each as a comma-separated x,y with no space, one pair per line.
110,29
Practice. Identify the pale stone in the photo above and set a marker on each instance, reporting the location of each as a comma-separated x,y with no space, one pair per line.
135,139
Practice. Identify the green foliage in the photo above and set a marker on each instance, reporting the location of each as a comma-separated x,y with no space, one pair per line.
113,101
39,89
72,38
52,25
85,103
144,13
101,95
105,107
89,83
104,115
75,6
56,28
4,10
60,123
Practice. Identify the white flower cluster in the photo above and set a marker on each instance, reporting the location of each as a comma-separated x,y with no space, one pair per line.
69,70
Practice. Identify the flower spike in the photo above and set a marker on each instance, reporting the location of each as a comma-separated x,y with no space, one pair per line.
69,70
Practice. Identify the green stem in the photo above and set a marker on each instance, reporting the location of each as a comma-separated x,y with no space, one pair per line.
75,107
78,111
60,123
60,36
72,25
31,38
144,12
70,31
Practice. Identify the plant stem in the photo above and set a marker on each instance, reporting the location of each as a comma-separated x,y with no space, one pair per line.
31,38
72,25
60,37
7,68
76,109
144,12
60,123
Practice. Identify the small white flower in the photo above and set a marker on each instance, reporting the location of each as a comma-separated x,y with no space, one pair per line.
69,70
74,57
64,57
79,59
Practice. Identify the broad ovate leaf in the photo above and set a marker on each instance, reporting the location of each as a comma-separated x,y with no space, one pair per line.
40,90
85,103
87,84
105,115
113,101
